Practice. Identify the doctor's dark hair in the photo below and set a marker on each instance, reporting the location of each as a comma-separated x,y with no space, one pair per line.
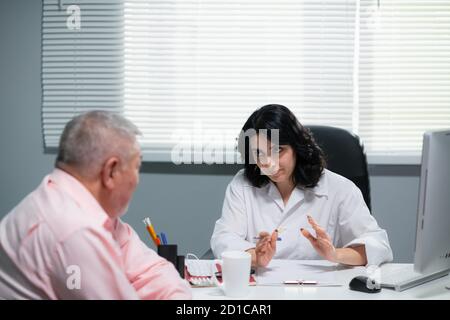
310,161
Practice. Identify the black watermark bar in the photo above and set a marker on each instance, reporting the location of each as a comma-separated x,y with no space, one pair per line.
214,309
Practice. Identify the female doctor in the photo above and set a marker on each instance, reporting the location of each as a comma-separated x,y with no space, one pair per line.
284,204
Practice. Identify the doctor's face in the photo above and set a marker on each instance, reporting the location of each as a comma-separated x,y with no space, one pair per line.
275,161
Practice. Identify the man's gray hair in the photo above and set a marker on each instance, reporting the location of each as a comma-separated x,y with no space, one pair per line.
89,139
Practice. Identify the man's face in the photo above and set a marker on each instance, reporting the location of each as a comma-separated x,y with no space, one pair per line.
127,180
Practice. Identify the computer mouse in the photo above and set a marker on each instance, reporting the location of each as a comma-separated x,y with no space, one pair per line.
364,284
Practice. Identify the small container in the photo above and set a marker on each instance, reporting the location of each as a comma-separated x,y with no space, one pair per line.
169,252
180,266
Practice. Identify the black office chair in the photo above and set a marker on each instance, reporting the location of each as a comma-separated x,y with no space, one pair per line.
345,155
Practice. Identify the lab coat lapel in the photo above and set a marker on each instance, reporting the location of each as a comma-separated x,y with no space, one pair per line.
274,194
296,197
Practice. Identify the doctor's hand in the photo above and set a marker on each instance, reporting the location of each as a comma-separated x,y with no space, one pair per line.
322,243
265,249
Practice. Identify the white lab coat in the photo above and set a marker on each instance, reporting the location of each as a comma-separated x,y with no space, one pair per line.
336,204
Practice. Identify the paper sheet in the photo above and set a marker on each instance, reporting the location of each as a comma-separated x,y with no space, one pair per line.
279,271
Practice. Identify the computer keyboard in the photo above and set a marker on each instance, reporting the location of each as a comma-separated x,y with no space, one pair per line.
402,277
398,274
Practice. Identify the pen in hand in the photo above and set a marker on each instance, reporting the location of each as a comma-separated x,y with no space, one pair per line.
259,238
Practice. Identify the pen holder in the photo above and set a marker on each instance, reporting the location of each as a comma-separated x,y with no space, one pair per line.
170,253
180,266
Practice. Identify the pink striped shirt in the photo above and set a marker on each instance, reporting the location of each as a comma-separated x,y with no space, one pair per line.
59,243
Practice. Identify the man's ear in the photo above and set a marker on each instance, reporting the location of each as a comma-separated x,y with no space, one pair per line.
109,172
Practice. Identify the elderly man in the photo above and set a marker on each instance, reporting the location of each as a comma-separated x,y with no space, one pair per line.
65,240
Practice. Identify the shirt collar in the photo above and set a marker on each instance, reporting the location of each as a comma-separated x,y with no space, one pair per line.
298,194
82,196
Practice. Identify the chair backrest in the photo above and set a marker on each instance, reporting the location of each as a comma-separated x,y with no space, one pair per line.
345,155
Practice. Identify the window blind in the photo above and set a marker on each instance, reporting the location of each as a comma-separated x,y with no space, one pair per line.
82,68
404,75
195,70
191,72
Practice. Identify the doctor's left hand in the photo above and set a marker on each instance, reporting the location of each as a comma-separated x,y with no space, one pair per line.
322,243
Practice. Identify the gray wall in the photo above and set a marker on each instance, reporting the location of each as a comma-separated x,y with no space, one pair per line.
183,201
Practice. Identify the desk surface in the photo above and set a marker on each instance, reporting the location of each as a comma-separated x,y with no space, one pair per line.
435,289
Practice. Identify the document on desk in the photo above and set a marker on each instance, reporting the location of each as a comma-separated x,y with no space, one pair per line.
283,272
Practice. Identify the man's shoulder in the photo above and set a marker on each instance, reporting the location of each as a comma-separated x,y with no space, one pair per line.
61,213
44,218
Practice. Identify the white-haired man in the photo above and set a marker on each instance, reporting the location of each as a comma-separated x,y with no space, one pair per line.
65,239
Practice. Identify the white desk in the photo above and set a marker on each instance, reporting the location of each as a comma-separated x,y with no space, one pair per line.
431,290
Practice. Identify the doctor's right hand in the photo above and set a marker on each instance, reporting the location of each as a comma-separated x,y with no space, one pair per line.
265,249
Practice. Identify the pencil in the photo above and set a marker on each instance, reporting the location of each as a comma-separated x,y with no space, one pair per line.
151,231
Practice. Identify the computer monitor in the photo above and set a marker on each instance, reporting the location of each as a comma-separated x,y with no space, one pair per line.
432,249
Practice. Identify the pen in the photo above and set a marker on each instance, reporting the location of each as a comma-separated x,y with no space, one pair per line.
163,238
305,283
278,230
300,282
259,238
151,231
311,283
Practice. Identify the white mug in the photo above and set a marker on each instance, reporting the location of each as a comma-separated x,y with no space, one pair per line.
235,273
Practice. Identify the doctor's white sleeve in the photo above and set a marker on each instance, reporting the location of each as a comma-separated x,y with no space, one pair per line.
230,230
357,226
